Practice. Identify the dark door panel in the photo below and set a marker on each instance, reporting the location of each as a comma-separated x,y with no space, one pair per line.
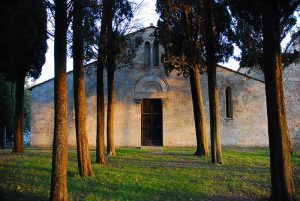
156,120
151,122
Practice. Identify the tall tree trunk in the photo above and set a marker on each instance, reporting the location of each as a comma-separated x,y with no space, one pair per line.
211,62
2,126
216,149
19,115
60,141
281,170
3,134
111,65
199,113
83,152
111,151
100,144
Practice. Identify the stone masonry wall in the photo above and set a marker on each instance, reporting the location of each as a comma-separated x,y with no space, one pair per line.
291,81
248,127
292,98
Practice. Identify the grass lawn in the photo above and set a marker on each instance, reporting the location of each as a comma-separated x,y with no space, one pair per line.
166,174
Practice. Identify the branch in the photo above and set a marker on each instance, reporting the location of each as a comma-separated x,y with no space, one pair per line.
50,34
70,13
49,5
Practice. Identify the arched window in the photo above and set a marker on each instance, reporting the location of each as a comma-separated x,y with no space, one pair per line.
229,104
147,56
155,54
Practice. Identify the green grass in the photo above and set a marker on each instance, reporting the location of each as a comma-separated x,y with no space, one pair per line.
168,174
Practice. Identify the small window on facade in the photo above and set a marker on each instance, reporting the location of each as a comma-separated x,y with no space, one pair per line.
147,57
229,104
155,54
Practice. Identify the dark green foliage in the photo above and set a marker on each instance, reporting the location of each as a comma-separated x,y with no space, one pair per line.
248,18
290,52
7,102
23,37
271,20
92,15
181,32
223,28
193,40
27,108
7,109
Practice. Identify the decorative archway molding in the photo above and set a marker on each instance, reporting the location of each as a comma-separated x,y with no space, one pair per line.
151,83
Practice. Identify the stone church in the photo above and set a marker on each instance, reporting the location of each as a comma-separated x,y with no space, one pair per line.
155,109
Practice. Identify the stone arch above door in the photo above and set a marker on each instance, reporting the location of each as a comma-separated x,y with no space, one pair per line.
151,83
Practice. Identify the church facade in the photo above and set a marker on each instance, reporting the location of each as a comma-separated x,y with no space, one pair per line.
155,109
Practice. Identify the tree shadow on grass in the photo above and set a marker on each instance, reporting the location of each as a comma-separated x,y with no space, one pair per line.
135,191
13,195
234,198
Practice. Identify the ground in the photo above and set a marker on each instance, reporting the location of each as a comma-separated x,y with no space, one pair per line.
160,174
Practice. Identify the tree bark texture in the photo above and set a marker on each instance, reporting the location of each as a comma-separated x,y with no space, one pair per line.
83,152
2,134
216,149
211,61
111,65
3,131
100,144
111,151
60,141
281,171
199,113
19,115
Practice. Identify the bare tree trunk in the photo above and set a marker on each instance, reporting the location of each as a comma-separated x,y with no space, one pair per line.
111,65
3,136
100,144
211,62
199,113
216,149
111,151
19,115
60,141
281,170
83,152
2,127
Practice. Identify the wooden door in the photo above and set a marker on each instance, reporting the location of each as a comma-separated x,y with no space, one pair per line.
152,122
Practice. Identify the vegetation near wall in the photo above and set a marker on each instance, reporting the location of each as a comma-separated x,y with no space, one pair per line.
7,106
7,110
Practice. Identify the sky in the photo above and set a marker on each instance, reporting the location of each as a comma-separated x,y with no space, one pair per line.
147,14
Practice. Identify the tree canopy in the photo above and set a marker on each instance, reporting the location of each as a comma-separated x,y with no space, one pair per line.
23,37
249,31
181,32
